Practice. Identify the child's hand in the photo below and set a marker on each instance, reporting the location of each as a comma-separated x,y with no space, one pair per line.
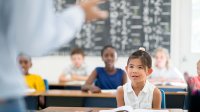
95,89
84,89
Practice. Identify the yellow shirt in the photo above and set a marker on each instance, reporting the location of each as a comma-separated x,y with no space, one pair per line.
35,82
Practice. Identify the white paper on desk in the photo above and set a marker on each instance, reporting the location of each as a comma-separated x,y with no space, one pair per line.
29,90
130,109
178,84
76,82
108,91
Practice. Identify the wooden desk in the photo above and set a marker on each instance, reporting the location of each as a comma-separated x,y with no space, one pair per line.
169,85
73,109
172,88
76,85
71,98
86,109
78,98
72,85
32,100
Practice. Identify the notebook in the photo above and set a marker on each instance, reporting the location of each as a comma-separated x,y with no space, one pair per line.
130,109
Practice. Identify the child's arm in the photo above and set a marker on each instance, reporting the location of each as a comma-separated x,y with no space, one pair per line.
39,84
79,78
88,84
124,80
64,78
120,96
157,99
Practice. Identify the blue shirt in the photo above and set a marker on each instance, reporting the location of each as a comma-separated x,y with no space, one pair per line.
109,81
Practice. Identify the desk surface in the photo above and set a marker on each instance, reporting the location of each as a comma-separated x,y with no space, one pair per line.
80,83
37,93
78,93
86,109
176,93
70,83
73,109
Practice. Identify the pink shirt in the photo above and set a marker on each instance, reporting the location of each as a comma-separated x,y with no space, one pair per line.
194,82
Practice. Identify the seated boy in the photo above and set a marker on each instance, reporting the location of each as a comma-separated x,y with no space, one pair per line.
77,71
33,81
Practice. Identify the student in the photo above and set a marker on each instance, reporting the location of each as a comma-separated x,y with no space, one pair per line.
139,92
194,82
77,70
107,77
33,81
162,69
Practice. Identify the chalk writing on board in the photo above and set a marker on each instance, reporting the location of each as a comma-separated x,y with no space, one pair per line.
131,24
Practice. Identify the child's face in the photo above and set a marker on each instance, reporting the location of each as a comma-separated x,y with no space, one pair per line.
25,64
198,69
77,59
109,57
136,72
161,60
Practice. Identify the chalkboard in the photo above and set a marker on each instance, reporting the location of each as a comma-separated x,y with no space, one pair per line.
130,25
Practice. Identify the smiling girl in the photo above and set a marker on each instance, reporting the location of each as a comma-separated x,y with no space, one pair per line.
139,93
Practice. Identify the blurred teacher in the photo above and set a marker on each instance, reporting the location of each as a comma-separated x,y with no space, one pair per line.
32,27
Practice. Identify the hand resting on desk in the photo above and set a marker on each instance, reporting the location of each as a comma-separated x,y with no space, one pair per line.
92,88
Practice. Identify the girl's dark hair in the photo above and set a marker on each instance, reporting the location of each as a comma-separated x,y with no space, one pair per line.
143,56
105,47
77,51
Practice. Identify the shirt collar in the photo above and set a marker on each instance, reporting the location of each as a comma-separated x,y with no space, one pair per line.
145,89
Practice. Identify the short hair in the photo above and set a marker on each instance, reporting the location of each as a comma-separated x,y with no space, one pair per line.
143,56
105,47
24,55
77,51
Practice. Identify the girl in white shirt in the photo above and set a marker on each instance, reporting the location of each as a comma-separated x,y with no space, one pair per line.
162,70
139,93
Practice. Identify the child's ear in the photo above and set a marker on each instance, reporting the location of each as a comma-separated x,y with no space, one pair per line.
126,68
150,70
31,64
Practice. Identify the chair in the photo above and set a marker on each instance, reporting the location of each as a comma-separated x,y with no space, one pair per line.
163,102
46,84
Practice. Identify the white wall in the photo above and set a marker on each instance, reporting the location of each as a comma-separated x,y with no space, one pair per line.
182,56
51,66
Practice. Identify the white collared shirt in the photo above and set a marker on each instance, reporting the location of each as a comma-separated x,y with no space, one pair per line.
170,73
144,98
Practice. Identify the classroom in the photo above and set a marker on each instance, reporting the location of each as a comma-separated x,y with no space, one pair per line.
145,56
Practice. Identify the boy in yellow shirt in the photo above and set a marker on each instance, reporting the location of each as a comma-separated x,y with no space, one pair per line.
33,81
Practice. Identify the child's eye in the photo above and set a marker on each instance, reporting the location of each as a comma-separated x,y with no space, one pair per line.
130,66
140,67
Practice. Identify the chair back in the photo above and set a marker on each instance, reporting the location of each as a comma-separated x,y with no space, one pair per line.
46,84
163,102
